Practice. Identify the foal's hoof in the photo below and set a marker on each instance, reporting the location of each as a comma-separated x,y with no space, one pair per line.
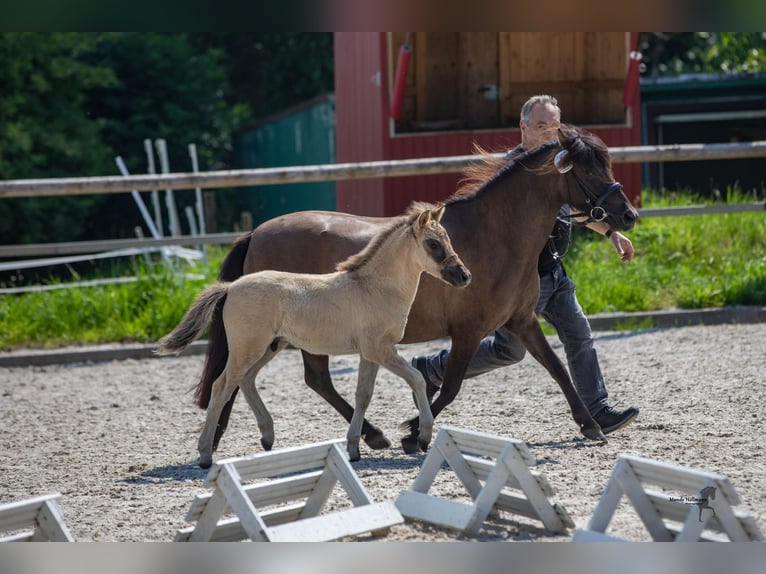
410,445
266,444
205,462
423,444
376,440
594,433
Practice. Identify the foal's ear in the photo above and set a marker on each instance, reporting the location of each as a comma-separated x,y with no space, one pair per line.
424,218
437,213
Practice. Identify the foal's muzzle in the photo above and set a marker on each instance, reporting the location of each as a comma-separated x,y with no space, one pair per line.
456,275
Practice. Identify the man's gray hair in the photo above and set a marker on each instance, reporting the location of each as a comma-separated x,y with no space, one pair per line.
542,99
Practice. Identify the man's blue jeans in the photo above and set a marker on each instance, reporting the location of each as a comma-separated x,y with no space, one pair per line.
558,305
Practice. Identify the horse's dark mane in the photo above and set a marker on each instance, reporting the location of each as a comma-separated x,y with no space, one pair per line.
586,148
583,147
480,175
360,259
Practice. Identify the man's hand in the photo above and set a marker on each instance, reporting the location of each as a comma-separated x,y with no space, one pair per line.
622,246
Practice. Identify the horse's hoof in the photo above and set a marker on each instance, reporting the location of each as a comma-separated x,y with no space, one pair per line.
594,434
423,444
205,463
266,444
355,456
377,441
410,445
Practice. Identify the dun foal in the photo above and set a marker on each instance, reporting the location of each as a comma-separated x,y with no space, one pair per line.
360,308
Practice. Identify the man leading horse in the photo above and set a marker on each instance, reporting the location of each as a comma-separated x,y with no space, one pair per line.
558,305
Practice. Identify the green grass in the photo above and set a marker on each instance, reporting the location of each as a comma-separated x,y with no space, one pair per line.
133,312
688,262
685,262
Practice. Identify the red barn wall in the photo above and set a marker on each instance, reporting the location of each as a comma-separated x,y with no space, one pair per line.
364,133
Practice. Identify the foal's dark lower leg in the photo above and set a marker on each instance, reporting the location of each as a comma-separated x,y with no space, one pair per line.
316,373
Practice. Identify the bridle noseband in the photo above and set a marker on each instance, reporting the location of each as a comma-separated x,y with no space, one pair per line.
592,199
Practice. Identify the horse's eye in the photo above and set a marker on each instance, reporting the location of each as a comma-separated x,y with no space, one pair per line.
433,245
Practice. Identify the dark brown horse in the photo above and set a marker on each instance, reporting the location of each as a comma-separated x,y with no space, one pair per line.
498,222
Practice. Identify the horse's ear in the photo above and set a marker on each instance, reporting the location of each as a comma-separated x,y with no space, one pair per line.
424,218
437,213
561,161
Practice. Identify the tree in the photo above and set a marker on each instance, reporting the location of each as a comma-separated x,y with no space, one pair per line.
674,53
45,129
70,102
167,87
272,71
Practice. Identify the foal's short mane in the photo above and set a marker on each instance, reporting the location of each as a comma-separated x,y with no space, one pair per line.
583,147
360,259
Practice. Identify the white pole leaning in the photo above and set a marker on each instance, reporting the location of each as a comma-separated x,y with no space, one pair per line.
199,205
142,207
162,151
155,194
139,200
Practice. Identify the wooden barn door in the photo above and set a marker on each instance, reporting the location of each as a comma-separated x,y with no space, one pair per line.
479,80
585,71
453,80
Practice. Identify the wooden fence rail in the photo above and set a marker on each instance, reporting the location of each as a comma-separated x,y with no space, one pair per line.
272,176
76,247
342,171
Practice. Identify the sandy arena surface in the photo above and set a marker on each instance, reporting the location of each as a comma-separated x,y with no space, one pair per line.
118,439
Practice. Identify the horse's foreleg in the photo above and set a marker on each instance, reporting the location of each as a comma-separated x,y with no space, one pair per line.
531,335
399,366
462,351
364,388
316,373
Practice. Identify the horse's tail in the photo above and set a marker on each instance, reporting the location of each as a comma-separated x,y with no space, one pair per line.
217,352
194,322
234,263
216,356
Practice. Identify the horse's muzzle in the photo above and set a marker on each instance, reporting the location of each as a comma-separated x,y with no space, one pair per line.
629,219
457,275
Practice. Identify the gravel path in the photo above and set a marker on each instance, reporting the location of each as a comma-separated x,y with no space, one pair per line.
118,439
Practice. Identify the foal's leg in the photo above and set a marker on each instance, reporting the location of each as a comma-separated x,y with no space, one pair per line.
463,349
364,388
316,373
390,359
223,387
249,389
234,375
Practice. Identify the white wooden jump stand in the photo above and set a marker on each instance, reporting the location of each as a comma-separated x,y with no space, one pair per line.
495,472
284,506
671,518
34,520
